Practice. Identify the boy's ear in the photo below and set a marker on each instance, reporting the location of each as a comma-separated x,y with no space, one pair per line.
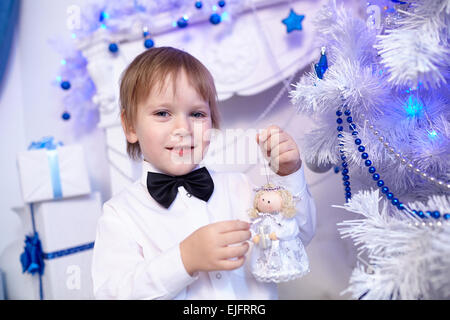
129,131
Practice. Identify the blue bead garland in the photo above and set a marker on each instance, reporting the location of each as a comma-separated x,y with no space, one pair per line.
372,170
345,171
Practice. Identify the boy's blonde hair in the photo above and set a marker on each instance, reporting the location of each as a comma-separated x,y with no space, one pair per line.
148,71
287,203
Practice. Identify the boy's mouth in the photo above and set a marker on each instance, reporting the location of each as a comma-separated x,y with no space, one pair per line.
181,150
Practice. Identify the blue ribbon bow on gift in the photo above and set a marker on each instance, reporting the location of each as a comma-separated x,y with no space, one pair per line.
32,258
45,143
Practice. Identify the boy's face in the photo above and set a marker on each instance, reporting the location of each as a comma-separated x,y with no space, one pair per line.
173,129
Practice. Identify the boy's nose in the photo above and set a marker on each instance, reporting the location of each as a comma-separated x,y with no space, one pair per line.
182,127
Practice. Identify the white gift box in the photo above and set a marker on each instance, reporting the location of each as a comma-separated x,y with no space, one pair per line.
61,225
52,174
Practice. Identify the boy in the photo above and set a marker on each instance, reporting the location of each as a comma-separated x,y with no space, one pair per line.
179,231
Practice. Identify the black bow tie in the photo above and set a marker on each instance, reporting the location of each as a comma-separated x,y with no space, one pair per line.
163,188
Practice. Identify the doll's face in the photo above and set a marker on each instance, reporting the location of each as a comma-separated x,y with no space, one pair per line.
269,201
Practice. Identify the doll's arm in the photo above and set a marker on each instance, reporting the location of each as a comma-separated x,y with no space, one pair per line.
120,270
288,229
305,207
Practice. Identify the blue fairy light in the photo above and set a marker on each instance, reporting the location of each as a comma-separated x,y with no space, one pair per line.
225,16
432,134
103,16
63,62
413,106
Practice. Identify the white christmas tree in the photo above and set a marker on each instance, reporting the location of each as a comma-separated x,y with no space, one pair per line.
382,109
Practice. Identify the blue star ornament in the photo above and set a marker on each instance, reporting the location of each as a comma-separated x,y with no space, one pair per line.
294,21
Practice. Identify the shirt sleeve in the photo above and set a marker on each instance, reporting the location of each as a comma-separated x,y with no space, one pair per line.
296,184
120,271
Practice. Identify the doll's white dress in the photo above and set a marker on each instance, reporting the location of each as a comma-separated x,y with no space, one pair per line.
278,260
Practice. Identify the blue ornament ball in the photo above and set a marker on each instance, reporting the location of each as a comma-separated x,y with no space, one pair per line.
65,116
113,47
149,43
198,4
65,85
215,18
221,3
182,23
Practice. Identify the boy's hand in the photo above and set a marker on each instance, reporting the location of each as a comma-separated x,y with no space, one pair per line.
207,248
281,149
273,236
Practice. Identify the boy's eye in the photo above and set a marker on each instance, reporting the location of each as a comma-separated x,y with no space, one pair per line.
162,113
198,114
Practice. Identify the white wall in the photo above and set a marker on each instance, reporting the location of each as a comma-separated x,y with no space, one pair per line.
30,109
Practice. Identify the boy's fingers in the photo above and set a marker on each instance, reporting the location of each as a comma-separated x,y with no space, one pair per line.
281,148
235,237
274,140
234,251
232,264
266,133
232,225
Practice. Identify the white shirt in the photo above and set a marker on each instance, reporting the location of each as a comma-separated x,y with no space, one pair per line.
137,252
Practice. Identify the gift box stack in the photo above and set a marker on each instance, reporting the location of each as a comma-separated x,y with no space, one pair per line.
63,214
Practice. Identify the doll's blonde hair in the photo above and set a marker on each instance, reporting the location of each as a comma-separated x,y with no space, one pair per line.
287,202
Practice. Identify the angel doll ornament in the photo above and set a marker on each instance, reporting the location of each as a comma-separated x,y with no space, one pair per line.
278,253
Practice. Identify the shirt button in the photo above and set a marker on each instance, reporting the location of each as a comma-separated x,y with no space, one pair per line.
218,276
189,195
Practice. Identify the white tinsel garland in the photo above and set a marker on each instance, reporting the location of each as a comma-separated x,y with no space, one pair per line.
408,260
